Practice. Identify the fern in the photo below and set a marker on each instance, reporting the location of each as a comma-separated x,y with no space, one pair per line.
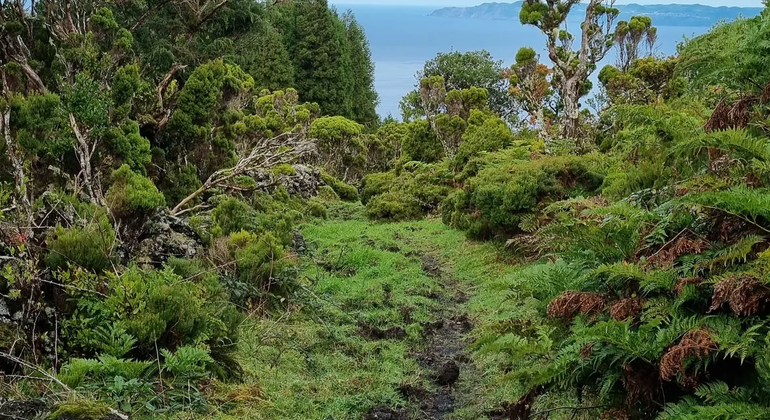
750,204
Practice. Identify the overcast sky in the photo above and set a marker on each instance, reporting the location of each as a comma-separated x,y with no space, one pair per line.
750,3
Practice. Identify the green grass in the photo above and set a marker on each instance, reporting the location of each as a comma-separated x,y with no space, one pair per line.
311,362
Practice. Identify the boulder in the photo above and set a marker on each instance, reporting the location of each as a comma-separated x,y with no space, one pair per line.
161,237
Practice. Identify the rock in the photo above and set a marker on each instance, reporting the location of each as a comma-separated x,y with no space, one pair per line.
4,311
304,183
448,373
298,244
16,410
161,237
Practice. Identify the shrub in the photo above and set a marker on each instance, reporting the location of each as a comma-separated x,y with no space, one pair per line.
142,309
284,169
420,143
233,215
495,200
90,247
132,194
376,184
316,208
394,206
484,134
327,194
262,268
344,191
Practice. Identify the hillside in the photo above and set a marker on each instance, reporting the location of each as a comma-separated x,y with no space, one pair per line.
210,223
662,14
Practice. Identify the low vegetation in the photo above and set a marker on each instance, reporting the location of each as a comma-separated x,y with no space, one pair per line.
212,222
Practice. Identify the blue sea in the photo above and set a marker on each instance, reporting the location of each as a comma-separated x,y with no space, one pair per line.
402,39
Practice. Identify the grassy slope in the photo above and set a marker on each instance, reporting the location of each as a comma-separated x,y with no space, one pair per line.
312,362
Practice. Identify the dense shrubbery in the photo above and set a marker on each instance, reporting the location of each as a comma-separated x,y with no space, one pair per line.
132,194
504,194
344,191
89,245
412,191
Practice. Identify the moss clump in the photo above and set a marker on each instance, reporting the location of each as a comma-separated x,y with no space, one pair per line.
394,206
90,246
80,410
327,194
284,169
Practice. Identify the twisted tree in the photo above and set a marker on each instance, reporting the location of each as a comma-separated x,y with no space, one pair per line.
572,66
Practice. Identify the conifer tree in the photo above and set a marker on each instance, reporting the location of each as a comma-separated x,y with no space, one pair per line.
266,59
318,46
364,97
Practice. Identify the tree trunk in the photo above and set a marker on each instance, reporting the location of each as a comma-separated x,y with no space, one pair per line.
570,98
19,177
84,153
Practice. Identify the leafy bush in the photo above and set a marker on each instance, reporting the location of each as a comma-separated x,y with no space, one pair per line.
376,184
132,194
262,268
327,194
495,200
90,246
316,208
485,133
142,309
421,144
233,215
415,190
344,191
394,206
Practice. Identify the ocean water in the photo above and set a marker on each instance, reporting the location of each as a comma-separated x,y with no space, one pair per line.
402,39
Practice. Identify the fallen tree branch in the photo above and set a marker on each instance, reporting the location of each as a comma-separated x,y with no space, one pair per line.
267,153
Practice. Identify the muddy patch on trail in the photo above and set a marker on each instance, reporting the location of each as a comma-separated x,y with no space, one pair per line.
431,266
385,413
374,333
443,356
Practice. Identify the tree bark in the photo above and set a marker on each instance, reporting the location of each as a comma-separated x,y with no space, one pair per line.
19,176
84,153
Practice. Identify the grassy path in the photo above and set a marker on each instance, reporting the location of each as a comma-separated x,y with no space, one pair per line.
379,329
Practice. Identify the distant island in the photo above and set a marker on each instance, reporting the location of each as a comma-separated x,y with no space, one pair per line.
661,14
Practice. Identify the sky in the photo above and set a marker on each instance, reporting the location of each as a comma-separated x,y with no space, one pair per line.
440,3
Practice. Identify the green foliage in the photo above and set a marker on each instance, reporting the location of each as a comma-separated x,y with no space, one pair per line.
420,143
38,122
646,81
394,206
132,194
316,208
495,200
149,308
90,246
81,410
129,146
384,147
484,134
466,70
263,270
376,184
341,151
344,191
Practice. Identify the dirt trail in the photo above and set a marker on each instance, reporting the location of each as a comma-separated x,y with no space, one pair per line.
442,357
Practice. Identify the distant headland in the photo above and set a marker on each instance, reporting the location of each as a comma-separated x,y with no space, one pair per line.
661,14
